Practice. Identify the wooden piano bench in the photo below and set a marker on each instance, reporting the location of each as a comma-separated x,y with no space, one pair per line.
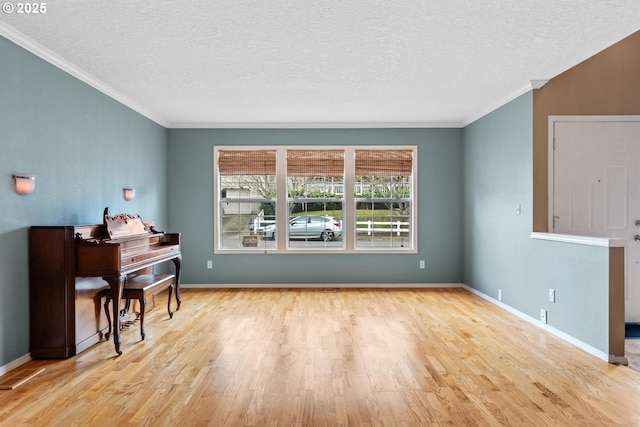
140,288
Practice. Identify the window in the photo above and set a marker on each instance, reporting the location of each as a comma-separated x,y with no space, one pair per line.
315,190
315,199
383,198
247,182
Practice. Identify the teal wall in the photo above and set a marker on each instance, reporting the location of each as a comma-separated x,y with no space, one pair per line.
83,147
498,250
439,207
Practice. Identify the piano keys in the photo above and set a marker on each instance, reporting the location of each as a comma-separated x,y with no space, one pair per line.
71,268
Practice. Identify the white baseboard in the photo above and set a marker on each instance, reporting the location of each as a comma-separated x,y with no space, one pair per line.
321,285
14,364
558,333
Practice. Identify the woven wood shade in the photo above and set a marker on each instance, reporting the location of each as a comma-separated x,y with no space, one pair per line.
315,163
247,162
384,162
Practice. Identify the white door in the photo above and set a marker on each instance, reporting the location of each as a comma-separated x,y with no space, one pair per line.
596,189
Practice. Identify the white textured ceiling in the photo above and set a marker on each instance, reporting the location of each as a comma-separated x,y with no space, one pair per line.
227,63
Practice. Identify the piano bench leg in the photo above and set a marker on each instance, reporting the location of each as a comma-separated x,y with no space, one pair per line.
169,301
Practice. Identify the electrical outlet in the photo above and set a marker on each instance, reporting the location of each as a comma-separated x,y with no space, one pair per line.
209,264
499,294
552,295
543,315
422,264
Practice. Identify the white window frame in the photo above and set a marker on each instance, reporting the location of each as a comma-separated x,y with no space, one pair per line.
348,214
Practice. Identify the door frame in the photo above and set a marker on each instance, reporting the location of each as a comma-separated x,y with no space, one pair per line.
551,152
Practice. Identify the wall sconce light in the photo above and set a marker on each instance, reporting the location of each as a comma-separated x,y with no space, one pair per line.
129,194
24,184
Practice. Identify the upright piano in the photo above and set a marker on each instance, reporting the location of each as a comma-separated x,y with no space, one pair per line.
71,269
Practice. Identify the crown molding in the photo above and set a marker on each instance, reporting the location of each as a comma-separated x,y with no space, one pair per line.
42,52
313,125
537,84
533,84
497,105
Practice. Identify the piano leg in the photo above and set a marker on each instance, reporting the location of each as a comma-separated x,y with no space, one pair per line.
107,300
116,284
176,262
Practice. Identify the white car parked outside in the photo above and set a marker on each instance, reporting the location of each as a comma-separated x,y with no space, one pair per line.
308,228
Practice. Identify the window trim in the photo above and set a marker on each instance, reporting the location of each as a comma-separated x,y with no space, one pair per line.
349,202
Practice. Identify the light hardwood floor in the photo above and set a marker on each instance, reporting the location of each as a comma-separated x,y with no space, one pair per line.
320,358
